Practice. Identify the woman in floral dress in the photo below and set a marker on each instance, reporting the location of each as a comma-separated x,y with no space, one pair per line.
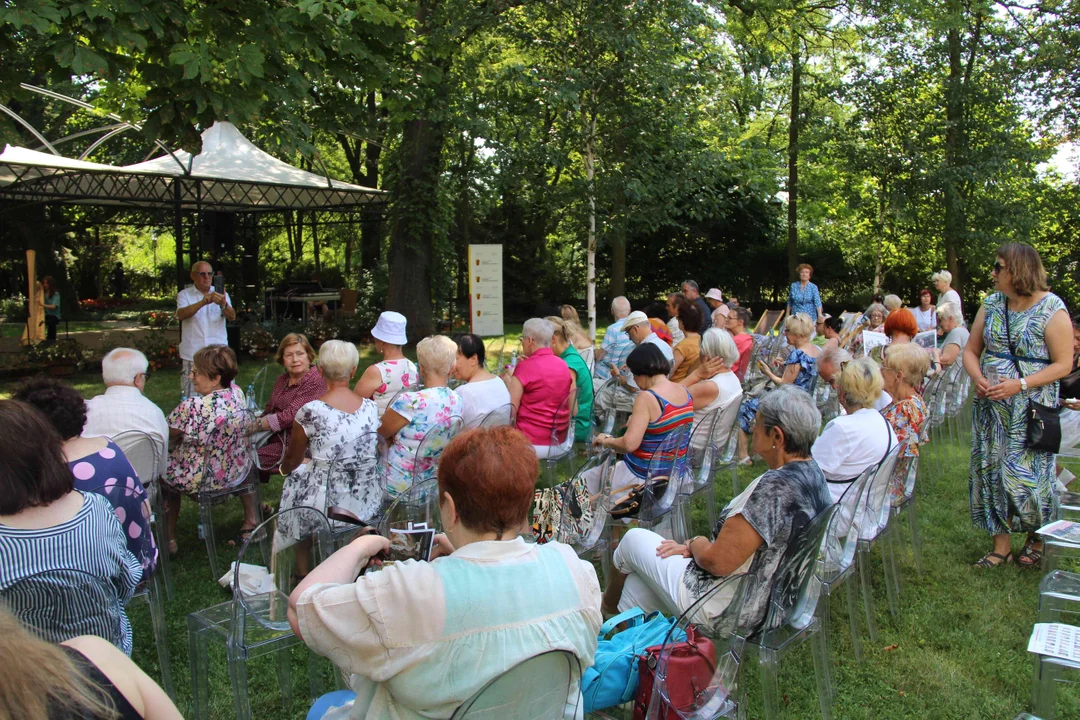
382,381
414,415
208,435
1026,335
903,368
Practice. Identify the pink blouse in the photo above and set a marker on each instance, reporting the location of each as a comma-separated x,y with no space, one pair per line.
546,382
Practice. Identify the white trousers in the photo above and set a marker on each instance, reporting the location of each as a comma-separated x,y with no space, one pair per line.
543,451
652,582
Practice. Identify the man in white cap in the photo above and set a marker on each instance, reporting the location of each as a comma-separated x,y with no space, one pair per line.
385,379
639,329
202,314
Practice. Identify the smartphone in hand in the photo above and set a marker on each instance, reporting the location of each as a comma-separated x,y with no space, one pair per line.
219,284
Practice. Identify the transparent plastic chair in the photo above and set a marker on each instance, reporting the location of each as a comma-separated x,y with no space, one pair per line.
873,523
503,415
63,603
561,446
543,687
667,472
709,441
255,622
585,526
146,453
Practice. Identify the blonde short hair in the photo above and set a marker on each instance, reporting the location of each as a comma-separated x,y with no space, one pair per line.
862,382
565,329
799,324
944,275
893,302
338,360
294,339
911,359
436,354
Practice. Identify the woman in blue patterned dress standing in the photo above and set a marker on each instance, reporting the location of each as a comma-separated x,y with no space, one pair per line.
1012,486
803,297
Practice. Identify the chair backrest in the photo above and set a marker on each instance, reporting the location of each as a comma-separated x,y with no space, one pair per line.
263,386
563,424
709,441
117,491
589,356
543,687
843,535
270,464
713,681
582,523
347,300
345,470
667,472
493,356
502,415
797,584
60,604
430,448
877,505
144,451
274,545
230,430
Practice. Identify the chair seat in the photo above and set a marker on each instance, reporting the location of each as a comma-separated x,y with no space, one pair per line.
779,639
218,619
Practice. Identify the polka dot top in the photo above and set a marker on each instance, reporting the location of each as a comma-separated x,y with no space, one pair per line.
108,473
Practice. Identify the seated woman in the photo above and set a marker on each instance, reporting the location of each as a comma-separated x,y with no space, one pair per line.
875,317
853,442
713,385
539,387
689,348
580,339
751,535
85,677
481,392
674,301
800,369
382,381
46,524
415,413
661,408
956,335
903,369
97,464
399,630
208,450
298,385
339,430
580,375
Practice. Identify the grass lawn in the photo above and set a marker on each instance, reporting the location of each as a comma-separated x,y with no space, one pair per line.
957,650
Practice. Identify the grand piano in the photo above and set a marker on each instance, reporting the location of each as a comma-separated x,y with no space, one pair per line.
290,299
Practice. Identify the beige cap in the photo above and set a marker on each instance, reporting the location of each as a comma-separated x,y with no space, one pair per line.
635,318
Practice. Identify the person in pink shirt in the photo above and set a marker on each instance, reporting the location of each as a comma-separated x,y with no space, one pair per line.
539,386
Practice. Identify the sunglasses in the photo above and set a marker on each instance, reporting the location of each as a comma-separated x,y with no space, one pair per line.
205,274
998,267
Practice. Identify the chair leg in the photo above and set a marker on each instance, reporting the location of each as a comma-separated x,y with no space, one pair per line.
161,633
1043,688
853,619
887,565
913,528
822,673
734,479
710,503
284,674
867,591
238,677
206,524
199,663
824,623
768,666
161,537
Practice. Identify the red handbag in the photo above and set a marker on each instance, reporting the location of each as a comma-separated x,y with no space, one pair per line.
690,670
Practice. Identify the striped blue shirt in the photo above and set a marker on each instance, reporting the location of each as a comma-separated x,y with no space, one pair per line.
91,542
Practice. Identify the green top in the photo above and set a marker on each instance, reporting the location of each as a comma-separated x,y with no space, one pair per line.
584,392
53,299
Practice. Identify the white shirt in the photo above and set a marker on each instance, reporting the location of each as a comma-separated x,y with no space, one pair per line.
925,319
123,408
952,296
849,444
206,327
729,390
481,398
664,347
677,335
883,402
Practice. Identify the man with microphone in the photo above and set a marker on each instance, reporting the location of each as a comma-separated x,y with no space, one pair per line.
202,314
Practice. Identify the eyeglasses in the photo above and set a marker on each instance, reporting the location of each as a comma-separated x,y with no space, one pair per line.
998,267
146,376
205,274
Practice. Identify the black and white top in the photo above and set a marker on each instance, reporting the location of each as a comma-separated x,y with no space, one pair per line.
344,457
778,505
92,542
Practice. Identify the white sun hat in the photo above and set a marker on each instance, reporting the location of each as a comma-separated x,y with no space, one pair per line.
390,328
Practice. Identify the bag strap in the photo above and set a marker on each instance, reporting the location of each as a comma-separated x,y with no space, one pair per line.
632,614
1009,340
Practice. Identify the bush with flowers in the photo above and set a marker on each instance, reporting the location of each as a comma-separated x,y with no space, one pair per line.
62,352
159,319
257,340
160,351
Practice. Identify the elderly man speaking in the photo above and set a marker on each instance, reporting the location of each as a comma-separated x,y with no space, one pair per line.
123,406
200,324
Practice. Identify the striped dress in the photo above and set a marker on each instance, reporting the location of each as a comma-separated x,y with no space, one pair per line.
672,417
91,542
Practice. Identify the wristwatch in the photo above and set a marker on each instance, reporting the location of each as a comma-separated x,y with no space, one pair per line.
1023,384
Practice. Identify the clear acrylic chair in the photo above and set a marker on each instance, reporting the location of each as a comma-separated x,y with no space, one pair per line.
146,452
428,452
1047,672
791,617
418,504
352,463
908,469
263,384
152,588
503,415
254,622
544,687
873,524
667,471
561,447
239,468
586,529
706,454
714,681
494,356
63,603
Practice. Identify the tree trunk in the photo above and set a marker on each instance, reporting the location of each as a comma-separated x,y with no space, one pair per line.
882,200
793,167
954,111
590,271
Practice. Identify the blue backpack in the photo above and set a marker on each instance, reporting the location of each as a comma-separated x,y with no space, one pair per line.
613,677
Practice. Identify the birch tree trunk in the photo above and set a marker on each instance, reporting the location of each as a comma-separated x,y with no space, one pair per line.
590,272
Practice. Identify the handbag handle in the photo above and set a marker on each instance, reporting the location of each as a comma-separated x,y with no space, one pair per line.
1008,339
632,614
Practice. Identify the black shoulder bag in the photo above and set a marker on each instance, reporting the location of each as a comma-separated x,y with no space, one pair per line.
1043,422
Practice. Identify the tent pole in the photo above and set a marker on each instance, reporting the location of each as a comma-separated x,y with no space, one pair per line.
178,233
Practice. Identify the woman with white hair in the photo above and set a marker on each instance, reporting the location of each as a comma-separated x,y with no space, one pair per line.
413,414
956,335
339,430
853,442
751,535
539,386
875,317
943,283
713,385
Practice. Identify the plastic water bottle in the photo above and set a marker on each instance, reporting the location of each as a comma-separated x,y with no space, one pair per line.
251,397
513,360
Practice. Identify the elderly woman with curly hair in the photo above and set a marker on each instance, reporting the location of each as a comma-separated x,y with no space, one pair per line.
803,297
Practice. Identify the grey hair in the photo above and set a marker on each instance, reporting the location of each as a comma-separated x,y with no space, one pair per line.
834,356
893,302
878,307
791,409
121,366
338,360
693,285
949,311
539,331
717,342
436,354
942,275
620,307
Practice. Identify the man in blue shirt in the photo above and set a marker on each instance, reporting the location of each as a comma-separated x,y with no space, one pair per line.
616,344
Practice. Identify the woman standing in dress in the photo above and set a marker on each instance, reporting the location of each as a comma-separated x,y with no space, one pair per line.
382,381
926,313
804,296
1025,333
340,430
943,283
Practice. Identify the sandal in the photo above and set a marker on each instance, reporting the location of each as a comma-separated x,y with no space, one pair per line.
173,548
986,563
241,537
1029,556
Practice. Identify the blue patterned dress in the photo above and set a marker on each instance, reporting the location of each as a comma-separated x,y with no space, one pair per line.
804,299
1012,487
805,380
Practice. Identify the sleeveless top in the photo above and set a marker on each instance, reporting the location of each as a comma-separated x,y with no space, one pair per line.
124,709
672,418
396,375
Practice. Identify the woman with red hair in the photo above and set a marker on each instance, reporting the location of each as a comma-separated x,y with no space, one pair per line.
900,326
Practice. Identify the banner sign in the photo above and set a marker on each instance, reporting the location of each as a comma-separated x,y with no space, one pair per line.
486,290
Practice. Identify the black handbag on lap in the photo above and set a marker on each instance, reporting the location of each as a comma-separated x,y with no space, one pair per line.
1043,422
